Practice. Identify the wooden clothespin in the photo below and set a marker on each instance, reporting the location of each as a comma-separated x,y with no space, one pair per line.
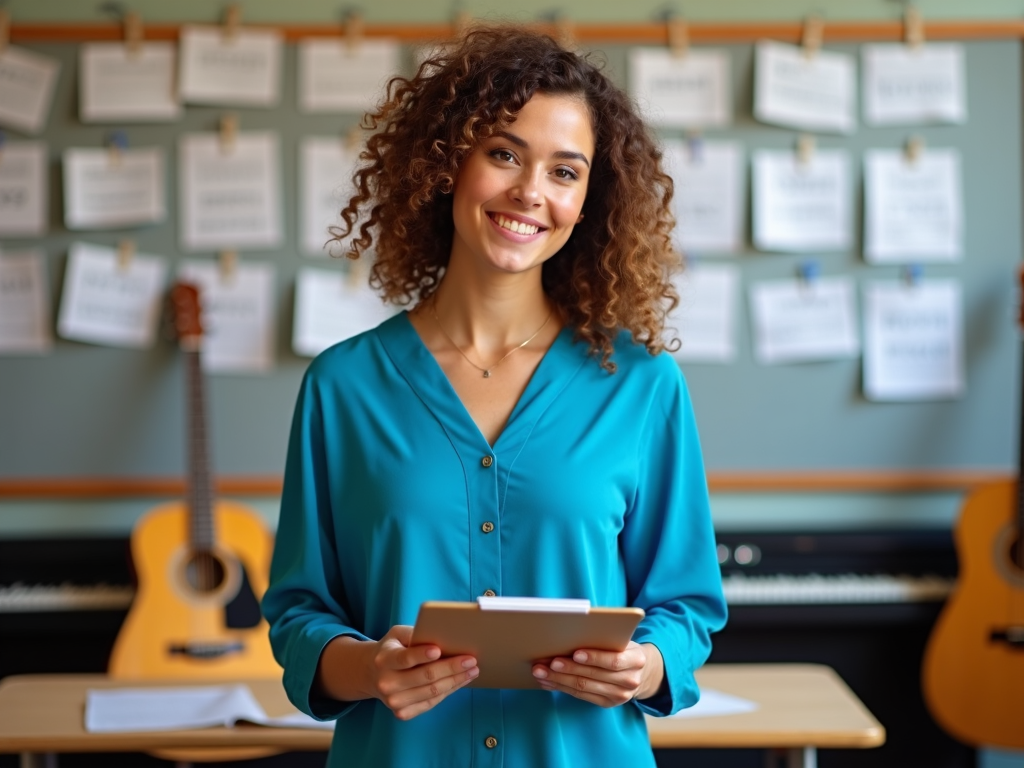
125,254
913,149
678,32
228,133
117,143
232,20
355,30
228,263
913,27
805,148
813,34
5,29
133,33
354,138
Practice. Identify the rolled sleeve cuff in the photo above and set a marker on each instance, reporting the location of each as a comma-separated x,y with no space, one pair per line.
300,673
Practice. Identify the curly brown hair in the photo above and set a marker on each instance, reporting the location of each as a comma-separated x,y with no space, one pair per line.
613,273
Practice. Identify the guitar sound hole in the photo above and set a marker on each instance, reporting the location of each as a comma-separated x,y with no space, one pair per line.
205,572
1016,552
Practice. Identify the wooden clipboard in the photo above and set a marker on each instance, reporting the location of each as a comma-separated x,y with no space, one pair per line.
506,643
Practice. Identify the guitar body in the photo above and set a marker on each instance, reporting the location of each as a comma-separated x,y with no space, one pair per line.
174,630
973,673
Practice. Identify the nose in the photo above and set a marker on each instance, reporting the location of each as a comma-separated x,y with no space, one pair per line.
527,189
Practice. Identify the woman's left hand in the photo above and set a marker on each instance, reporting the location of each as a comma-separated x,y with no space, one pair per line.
605,678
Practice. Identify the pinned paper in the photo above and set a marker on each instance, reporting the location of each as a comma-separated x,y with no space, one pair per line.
24,303
810,93
331,307
27,81
230,68
799,320
708,202
705,320
24,196
107,302
327,165
802,205
113,188
905,85
913,206
337,76
692,91
119,84
229,194
913,340
239,317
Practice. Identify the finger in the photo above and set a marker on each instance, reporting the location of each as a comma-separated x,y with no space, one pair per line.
585,689
619,686
415,701
631,658
395,655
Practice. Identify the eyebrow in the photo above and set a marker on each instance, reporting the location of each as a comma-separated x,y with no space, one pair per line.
561,154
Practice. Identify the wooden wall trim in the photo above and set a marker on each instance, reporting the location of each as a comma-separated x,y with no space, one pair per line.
643,33
64,488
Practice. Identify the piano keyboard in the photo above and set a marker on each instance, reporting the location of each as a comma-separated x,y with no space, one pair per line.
24,598
780,589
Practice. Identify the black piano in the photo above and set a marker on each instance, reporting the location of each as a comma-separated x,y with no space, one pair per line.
861,602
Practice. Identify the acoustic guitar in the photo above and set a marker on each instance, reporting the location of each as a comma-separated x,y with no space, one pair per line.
973,672
202,565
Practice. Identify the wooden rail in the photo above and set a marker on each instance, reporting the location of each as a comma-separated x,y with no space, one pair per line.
638,33
719,482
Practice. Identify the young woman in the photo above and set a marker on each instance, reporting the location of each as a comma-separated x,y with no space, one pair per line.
518,432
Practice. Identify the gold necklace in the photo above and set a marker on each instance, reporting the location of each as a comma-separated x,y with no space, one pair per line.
486,371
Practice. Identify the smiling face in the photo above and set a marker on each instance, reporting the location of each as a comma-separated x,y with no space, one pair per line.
520,192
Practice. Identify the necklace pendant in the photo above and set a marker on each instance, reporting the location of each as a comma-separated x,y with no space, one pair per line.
487,374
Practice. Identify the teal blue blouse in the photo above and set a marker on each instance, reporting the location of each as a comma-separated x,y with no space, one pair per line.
596,490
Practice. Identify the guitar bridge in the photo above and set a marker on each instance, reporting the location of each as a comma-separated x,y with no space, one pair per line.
1012,636
205,650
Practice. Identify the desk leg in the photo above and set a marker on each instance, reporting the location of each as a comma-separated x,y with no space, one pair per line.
802,757
38,760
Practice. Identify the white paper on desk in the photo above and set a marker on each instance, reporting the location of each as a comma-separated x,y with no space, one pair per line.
24,194
705,320
128,710
802,206
118,83
238,311
797,320
714,703
913,340
337,76
327,165
811,93
904,85
27,81
708,199
331,306
691,91
24,303
105,302
912,208
229,195
243,69
103,189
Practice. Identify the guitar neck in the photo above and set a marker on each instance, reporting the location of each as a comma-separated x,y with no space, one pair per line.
200,487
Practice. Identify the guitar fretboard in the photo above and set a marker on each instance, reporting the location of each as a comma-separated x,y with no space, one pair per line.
200,490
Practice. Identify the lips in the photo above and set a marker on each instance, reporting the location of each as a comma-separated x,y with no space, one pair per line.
516,226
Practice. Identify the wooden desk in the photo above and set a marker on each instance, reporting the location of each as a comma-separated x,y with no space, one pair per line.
801,707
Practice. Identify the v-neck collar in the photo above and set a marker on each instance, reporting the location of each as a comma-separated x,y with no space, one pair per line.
425,376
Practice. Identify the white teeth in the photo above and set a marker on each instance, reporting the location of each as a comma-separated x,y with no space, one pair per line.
516,226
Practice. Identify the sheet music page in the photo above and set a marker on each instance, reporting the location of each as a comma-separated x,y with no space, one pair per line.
913,208
238,315
797,320
714,703
243,69
24,303
691,91
801,206
331,306
913,340
229,195
705,320
105,302
27,81
811,93
106,188
904,85
24,195
709,197
327,165
337,76
117,83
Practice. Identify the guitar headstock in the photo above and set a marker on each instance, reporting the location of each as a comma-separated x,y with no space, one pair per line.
185,313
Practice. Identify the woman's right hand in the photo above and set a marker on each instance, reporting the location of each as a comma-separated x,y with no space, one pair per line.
411,679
